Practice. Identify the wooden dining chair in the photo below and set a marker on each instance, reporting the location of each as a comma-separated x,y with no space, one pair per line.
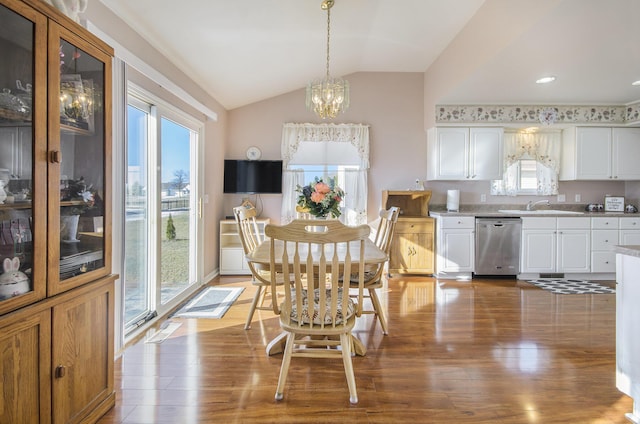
374,274
318,314
260,275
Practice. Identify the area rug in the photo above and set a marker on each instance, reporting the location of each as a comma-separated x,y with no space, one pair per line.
212,302
561,286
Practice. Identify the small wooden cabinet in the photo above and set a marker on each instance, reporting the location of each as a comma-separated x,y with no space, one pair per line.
56,325
232,261
412,245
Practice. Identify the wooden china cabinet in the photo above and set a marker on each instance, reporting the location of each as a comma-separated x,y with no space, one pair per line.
56,286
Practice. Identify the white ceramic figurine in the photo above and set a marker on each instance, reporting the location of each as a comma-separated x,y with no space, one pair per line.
13,282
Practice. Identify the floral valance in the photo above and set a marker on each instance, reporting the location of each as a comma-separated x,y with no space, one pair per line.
541,147
356,134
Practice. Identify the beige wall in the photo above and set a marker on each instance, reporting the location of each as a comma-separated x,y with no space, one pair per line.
391,103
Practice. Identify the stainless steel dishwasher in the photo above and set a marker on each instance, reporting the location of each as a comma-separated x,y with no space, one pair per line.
497,246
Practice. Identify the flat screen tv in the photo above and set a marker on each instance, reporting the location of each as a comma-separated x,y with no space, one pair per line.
252,176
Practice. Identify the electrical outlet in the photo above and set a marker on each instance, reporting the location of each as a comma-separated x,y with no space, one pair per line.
562,198
578,198
483,197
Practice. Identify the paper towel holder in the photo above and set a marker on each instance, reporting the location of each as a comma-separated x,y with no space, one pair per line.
453,200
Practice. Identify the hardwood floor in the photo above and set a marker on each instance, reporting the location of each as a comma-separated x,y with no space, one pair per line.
486,351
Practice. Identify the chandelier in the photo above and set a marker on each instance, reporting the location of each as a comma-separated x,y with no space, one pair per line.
329,96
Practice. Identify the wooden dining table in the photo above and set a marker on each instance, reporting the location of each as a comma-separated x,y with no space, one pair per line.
261,255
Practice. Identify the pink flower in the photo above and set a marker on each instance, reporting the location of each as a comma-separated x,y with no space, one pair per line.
317,197
322,188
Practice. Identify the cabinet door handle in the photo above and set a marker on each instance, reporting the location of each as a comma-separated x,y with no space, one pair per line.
56,156
61,371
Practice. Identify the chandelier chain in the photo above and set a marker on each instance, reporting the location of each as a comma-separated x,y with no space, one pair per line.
328,37
329,96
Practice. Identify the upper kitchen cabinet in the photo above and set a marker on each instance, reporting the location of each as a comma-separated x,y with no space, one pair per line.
465,153
600,153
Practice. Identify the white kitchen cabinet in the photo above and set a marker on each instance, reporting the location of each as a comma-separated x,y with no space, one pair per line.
455,239
604,235
538,253
629,232
600,153
465,153
551,245
232,260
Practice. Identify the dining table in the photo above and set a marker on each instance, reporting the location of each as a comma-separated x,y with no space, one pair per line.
261,255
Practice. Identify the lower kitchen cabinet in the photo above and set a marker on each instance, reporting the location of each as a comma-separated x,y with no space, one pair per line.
57,357
412,246
551,245
604,235
455,246
629,231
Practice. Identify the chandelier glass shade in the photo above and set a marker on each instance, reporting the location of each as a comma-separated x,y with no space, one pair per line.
329,96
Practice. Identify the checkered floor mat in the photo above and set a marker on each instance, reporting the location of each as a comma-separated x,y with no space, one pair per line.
561,286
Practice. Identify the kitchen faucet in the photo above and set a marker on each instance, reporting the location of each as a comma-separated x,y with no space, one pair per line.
531,205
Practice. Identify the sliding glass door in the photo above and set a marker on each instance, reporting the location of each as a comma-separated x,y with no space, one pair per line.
161,220
178,204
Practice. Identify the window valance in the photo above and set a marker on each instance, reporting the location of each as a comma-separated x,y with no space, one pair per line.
356,134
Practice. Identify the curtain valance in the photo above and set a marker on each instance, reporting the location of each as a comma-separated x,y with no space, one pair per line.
356,134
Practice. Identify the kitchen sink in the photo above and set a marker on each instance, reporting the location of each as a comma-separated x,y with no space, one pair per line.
540,212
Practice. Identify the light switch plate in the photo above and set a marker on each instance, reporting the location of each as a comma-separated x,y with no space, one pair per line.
562,198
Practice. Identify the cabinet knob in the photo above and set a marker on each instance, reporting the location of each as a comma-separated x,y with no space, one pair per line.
61,371
56,156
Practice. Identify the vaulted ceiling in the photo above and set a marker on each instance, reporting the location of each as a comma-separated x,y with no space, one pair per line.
243,51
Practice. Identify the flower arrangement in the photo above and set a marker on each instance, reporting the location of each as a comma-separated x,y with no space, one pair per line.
320,199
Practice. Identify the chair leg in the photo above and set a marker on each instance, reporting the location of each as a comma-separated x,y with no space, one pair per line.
252,309
345,341
284,368
377,306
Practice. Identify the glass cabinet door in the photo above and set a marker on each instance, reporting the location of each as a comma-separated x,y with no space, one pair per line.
78,176
22,180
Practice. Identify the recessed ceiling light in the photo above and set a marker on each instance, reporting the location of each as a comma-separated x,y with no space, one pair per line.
636,82
545,80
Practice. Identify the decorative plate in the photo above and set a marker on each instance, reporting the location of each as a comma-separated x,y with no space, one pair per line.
253,153
548,116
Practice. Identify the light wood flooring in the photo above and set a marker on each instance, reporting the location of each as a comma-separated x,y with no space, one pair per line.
485,351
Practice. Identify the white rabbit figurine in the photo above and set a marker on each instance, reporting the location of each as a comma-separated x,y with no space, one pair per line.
13,282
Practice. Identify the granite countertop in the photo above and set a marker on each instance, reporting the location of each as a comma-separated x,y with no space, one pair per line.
518,211
631,250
